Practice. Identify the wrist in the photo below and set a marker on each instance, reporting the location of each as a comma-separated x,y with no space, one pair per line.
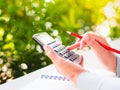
76,74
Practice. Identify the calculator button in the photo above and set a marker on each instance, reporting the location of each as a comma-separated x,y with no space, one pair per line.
59,48
56,50
77,60
73,57
76,56
54,45
63,51
68,54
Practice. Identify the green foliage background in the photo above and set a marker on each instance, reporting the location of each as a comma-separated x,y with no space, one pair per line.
20,19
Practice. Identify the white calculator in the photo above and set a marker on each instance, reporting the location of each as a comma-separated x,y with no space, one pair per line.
44,38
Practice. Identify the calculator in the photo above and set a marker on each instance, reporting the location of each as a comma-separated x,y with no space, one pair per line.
44,38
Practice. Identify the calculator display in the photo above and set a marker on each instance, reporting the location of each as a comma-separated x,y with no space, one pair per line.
43,38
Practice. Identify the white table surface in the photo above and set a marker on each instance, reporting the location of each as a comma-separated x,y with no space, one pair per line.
20,82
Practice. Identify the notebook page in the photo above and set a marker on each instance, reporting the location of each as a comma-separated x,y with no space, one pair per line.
51,80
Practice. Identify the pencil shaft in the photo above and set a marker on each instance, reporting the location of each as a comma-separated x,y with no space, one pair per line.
105,46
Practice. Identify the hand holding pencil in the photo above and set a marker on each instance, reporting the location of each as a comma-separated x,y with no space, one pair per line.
100,46
95,38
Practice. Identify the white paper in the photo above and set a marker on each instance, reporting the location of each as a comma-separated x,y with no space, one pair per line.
51,84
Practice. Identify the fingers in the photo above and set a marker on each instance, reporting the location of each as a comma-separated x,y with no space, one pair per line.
57,59
51,54
54,57
89,39
74,46
97,37
82,61
92,40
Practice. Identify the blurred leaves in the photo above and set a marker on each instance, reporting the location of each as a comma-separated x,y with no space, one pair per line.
20,19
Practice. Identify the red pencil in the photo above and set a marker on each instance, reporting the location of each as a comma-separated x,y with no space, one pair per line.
105,46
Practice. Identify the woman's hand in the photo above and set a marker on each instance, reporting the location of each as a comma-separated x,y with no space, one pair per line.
64,66
107,58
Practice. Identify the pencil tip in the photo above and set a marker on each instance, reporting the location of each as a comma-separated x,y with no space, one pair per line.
68,32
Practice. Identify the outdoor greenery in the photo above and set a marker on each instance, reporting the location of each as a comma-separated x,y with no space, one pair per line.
20,19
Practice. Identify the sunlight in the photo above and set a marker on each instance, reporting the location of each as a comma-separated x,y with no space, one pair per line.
1,33
9,37
50,1
103,29
0,11
48,25
113,22
109,11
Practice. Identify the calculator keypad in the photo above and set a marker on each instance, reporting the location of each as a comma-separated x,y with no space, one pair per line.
59,48
64,52
54,44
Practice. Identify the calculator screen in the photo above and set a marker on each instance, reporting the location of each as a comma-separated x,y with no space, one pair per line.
45,38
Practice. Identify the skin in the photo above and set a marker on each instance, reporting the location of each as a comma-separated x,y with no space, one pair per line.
65,67
107,58
72,70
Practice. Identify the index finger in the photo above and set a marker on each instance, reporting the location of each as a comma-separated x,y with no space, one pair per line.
74,46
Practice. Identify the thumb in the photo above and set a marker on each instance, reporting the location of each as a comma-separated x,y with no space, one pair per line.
82,60
50,53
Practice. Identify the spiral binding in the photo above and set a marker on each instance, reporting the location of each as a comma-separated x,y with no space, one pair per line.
53,77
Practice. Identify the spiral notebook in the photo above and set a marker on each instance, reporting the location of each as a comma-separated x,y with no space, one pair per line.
51,80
